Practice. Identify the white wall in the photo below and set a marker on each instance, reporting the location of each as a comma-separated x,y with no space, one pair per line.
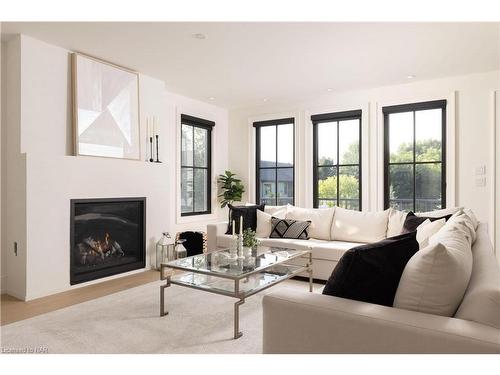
470,112
13,173
53,176
3,262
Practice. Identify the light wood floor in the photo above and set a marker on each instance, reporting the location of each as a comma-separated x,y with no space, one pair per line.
13,310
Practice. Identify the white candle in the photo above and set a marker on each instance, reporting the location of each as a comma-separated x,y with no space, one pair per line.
241,224
155,121
234,228
147,127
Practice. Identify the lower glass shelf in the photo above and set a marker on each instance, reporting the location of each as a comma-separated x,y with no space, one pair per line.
247,285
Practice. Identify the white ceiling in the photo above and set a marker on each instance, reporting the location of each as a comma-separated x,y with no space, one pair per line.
242,64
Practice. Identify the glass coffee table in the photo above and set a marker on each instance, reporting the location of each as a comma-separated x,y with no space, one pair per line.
220,273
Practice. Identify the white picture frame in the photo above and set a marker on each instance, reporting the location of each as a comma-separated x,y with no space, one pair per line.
106,113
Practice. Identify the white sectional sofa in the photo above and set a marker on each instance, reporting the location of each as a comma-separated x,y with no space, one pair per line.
302,322
297,322
333,232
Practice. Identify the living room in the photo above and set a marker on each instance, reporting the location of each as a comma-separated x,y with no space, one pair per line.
193,186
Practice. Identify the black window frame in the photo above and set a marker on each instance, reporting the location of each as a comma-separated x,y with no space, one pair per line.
331,117
258,125
414,107
206,125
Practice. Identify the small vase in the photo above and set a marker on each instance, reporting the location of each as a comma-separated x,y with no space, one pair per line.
247,251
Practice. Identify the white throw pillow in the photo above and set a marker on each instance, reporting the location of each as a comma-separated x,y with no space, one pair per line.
321,220
435,278
264,226
396,222
439,213
472,217
427,229
272,209
481,301
359,226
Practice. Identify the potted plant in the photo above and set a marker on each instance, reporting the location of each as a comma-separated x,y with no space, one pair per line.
231,189
250,241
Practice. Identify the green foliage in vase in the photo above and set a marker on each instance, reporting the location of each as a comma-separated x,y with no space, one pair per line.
231,188
249,238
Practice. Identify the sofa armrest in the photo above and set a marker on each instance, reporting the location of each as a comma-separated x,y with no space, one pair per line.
298,322
214,230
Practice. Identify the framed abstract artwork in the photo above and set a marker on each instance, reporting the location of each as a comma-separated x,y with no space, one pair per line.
105,109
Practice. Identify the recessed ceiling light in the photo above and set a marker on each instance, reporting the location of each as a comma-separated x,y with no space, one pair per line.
212,98
329,90
264,100
199,36
410,76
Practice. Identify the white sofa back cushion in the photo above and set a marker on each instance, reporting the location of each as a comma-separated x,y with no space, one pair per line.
435,278
439,213
396,222
321,220
264,226
359,226
481,302
273,209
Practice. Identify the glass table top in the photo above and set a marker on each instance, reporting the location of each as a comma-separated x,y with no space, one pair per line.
221,263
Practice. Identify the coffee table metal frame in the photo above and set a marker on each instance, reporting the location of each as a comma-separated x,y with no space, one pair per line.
240,295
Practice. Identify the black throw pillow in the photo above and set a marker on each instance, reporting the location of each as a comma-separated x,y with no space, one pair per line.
249,214
371,272
412,221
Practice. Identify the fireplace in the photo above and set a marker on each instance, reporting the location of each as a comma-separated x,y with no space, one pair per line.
107,237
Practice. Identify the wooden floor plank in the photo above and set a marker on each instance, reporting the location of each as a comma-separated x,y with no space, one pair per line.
13,310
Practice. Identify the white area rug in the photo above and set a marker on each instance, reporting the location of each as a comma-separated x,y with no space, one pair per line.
129,322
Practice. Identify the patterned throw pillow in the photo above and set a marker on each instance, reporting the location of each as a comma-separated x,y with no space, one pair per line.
286,228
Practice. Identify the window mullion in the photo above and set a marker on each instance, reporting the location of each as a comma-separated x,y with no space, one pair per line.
414,162
276,169
338,163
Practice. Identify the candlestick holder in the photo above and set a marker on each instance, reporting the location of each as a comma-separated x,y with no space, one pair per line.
240,246
157,155
233,248
151,149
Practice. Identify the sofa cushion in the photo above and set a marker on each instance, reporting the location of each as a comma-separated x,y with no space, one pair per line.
412,221
435,279
264,226
249,214
286,243
331,250
358,226
440,213
481,302
396,222
321,220
371,272
273,209
427,229
285,228
472,217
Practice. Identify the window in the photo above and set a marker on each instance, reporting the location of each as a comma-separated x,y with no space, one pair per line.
275,162
337,160
414,156
196,165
